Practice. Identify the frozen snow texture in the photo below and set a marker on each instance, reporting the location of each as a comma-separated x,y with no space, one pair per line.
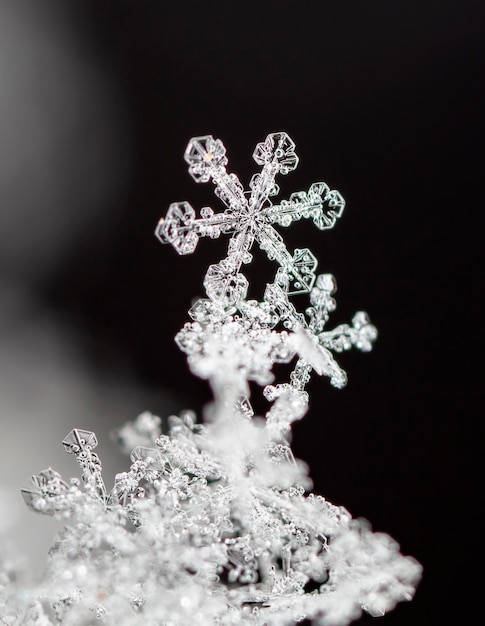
213,523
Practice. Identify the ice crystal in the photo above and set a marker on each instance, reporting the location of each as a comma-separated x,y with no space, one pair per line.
213,523
231,330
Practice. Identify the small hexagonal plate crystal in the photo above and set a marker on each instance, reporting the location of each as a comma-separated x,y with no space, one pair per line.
151,456
278,148
302,271
79,439
225,287
176,228
48,483
204,154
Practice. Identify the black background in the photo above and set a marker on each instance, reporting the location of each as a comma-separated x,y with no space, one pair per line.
384,100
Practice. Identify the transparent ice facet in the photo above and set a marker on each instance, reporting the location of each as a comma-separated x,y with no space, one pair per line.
176,228
45,492
224,286
277,149
78,440
204,155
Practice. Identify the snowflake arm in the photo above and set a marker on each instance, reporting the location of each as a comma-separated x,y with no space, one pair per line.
207,160
81,443
319,203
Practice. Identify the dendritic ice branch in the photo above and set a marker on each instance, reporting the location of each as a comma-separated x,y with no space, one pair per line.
214,523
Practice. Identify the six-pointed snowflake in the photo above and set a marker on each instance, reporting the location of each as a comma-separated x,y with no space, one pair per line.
230,331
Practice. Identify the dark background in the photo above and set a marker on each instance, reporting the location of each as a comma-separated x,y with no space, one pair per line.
384,100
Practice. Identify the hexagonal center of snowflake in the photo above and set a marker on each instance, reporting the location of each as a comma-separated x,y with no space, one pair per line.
253,219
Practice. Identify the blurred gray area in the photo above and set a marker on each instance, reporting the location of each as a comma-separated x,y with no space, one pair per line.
64,166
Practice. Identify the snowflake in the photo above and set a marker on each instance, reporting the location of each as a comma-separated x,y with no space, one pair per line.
230,335
214,523
249,217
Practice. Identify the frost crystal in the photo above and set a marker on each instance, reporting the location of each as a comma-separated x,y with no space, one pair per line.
213,523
